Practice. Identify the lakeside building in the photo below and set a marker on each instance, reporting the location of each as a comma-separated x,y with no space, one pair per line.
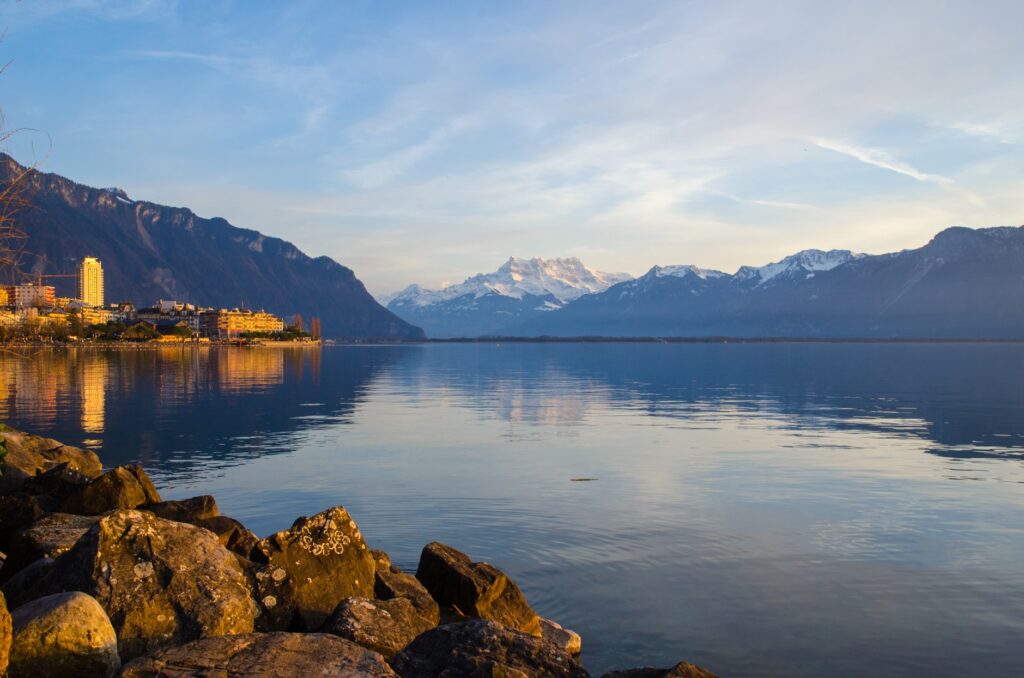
90,282
174,311
232,324
30,295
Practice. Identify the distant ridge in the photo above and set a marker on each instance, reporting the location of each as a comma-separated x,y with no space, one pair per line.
152,251
965,283
519,290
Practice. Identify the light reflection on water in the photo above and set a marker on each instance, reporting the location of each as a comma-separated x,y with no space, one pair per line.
761,509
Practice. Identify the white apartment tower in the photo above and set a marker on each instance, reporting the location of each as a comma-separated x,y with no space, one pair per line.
90,281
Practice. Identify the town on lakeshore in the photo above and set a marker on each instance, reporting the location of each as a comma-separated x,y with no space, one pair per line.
32,311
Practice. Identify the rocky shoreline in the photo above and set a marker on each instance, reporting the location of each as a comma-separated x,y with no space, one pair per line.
101,577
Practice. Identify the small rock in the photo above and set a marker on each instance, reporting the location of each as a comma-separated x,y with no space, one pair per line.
326,561
475,589
391,582
384,626
5,635
161,582
680,670
124,487
483,649
66,634
28,455
56,483
562,638
381,559
233,536
48,537
189,511
263,655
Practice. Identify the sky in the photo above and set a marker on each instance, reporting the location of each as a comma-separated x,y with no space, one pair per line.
425,142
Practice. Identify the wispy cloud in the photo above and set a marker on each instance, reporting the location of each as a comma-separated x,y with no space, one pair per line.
878,158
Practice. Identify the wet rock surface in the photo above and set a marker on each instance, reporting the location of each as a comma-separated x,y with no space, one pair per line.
124,487
680,670
63,635
483,649
474,589
384,626
263,655
326,561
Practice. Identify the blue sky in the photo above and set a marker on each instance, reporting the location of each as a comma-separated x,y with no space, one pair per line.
424,142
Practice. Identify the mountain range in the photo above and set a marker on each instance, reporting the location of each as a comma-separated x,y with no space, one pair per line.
519,291
152,251
964,283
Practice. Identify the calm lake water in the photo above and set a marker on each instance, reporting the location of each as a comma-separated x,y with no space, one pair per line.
761,509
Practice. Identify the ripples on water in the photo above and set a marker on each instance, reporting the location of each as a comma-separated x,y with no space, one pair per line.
761,509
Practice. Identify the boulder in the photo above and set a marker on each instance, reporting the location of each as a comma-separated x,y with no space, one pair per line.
233,536
29,583
161,582
124,487
390,582
28,455
325,560
48,537
680,670
384,626
190,510
562,638
484,649
5,635
263,655
474,589
17,511
55,484
274,592
66,634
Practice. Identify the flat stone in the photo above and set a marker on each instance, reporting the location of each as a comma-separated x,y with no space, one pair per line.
48,537
384,626
474,589
483,649
189,510
263,655
326,561
65,634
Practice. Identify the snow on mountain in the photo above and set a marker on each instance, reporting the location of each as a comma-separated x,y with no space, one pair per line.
564,279
680,271
807,261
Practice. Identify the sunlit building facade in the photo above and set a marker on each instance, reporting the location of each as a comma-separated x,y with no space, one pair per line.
90,281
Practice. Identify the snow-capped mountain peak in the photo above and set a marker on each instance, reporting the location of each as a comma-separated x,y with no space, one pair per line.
805,261
683,270
564,279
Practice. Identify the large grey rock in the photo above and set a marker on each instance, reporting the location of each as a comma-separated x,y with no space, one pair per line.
124,487
325,560
28,455
562,638
483,649
191,510
680,670
390,582
161,582
5,635
384,626
263,655
474,589
48,537
66,634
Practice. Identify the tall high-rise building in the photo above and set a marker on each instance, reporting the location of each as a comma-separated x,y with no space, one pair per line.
90,281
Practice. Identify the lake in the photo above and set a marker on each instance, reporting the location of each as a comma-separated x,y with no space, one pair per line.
759,509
